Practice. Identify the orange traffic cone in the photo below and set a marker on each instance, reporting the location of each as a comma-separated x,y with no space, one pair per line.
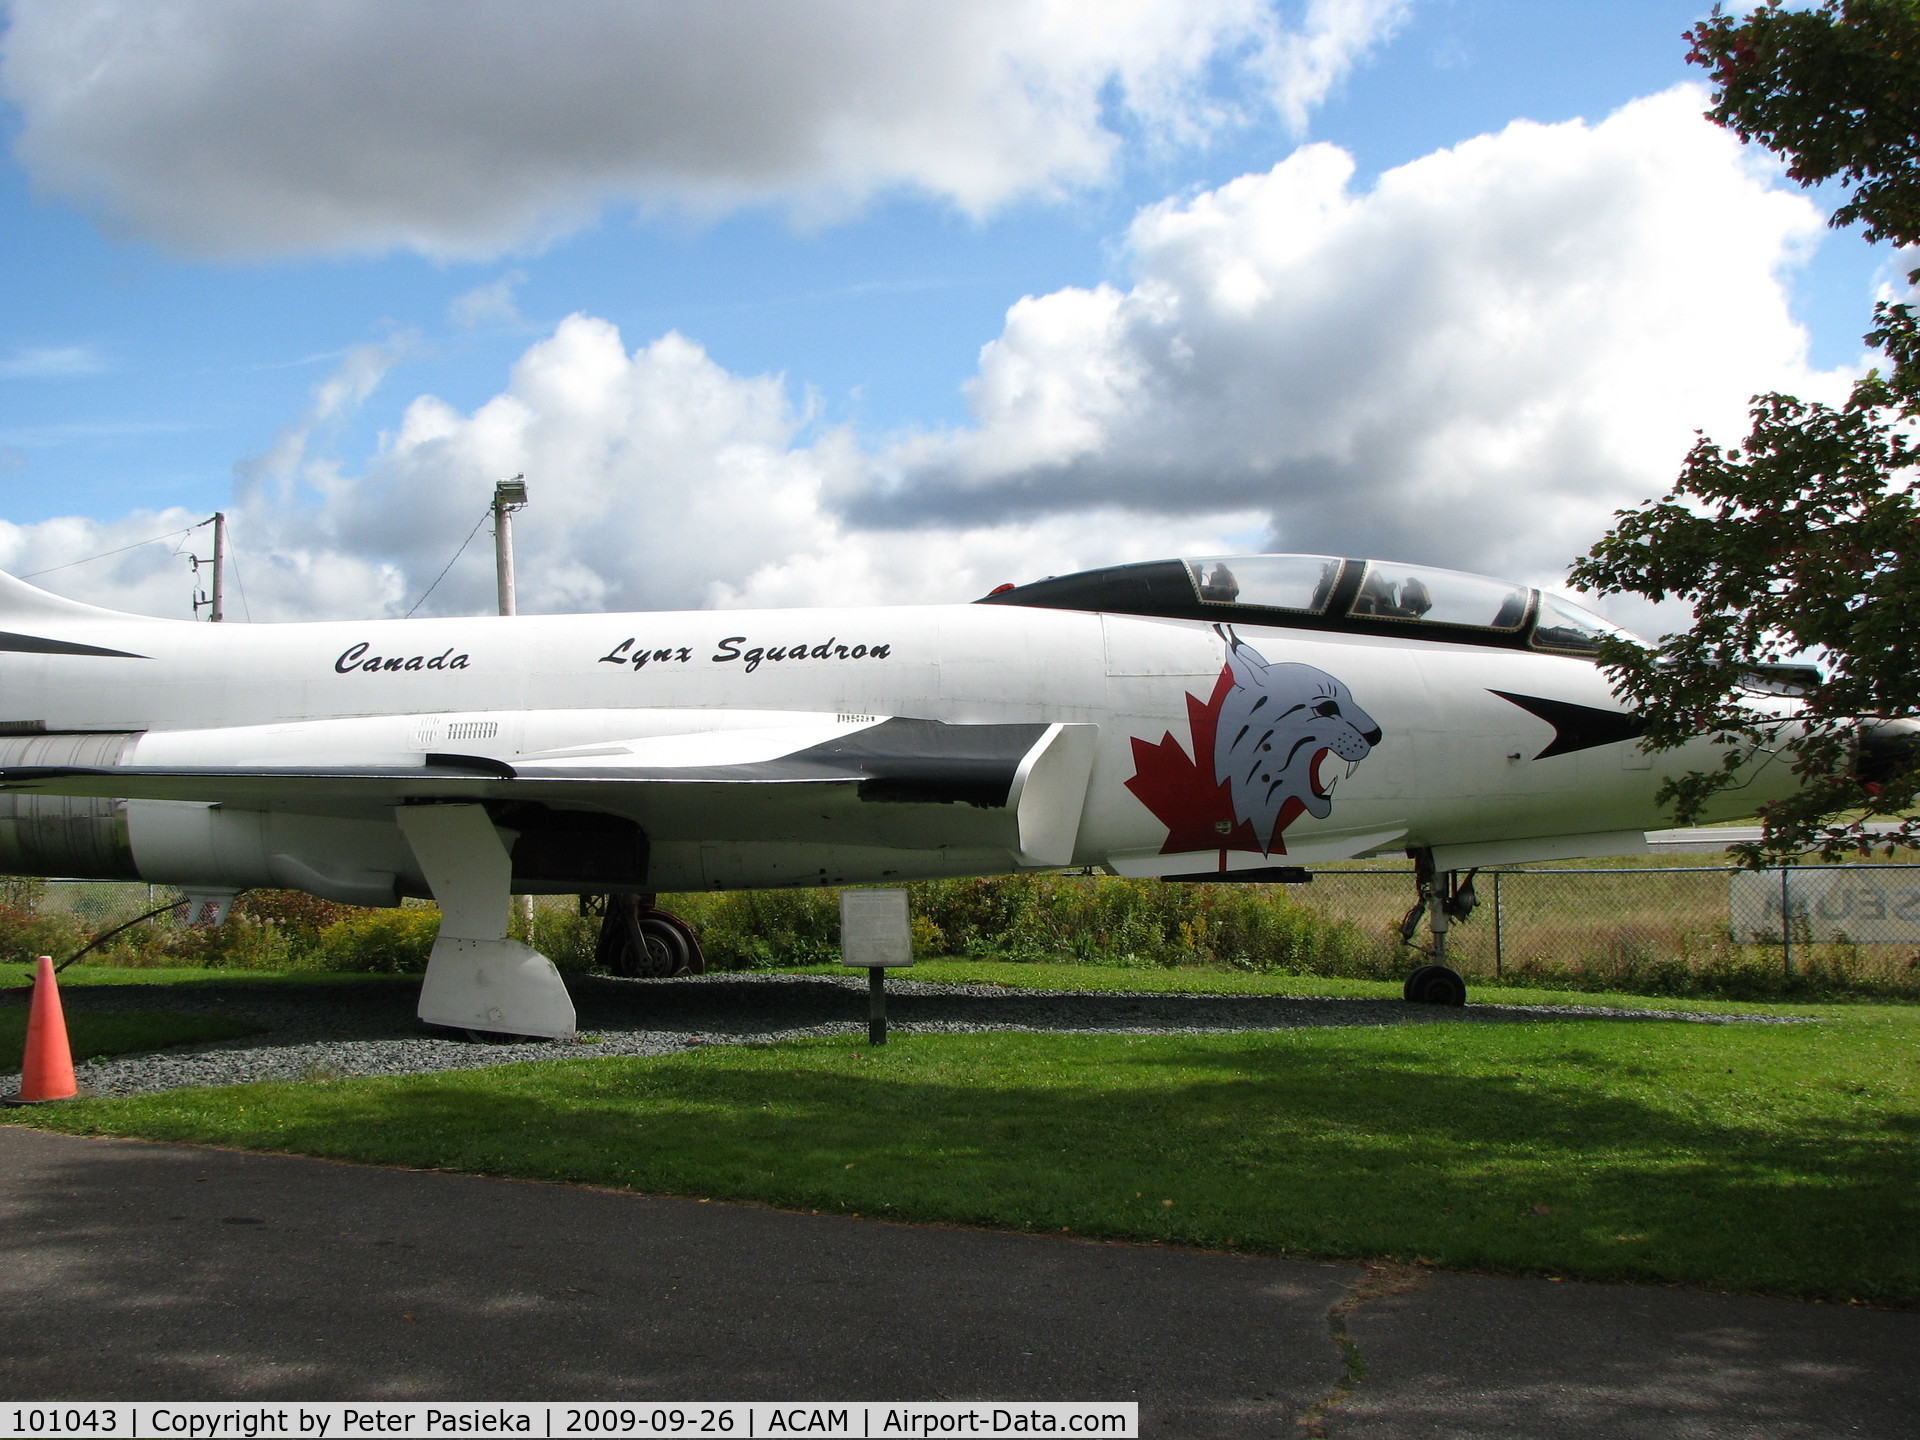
46,1069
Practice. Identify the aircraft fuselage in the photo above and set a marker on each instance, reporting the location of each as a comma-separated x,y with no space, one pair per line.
1446,753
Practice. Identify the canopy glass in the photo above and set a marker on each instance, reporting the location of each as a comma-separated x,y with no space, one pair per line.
1328,592
1279,582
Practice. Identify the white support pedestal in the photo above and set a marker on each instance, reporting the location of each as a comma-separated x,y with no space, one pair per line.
478,979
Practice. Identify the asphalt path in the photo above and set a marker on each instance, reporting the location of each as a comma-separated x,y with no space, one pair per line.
140,1271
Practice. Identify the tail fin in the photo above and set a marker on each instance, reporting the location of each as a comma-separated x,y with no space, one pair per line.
21,601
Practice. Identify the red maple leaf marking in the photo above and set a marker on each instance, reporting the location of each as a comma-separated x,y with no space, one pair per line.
1183,795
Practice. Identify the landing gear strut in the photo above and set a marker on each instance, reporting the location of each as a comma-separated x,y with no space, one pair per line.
1445,896
637,940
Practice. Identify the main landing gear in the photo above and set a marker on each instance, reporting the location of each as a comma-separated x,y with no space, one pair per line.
1445,896
640,941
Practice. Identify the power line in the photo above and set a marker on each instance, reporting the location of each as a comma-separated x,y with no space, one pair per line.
233,559
485,515
170,535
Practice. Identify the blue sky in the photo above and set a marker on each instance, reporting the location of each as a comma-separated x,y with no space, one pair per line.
147,360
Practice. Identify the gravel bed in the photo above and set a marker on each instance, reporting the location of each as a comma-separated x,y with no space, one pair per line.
336,1031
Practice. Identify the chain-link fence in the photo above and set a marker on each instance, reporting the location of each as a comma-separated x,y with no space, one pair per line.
1846,921
96,905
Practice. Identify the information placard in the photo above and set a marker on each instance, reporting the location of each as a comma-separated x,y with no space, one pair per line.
874,929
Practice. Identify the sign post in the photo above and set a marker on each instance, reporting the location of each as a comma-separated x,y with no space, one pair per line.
874,936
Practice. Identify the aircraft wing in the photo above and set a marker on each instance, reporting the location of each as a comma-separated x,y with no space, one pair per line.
902,780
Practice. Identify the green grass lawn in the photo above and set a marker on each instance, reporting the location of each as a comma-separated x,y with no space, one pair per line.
1772,1159
91,1035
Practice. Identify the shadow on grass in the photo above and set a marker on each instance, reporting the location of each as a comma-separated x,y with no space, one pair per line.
91,1035
763,1004
1699,1155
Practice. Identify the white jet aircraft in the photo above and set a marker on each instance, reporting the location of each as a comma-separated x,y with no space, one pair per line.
1236,718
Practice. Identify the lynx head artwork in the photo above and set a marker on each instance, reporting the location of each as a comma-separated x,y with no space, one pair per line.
1281,732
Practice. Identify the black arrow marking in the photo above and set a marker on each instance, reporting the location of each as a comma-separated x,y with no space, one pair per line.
1577,727
36,645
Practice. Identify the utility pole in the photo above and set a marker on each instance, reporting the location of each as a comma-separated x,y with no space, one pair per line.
217,601
508,496
219,567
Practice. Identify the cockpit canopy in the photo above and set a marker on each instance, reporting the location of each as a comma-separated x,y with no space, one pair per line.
1326,592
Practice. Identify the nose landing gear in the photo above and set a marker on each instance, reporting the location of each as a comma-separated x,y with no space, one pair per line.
1445,896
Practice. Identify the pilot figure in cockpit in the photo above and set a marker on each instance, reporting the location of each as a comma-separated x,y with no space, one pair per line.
1377,597
1220,586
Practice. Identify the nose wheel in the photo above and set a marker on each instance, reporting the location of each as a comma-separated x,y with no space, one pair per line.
1435,985
1444,897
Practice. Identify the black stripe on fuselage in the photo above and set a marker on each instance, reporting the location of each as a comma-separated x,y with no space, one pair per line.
1577,727
39,645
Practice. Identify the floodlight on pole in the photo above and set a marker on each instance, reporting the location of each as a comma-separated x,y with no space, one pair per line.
508,496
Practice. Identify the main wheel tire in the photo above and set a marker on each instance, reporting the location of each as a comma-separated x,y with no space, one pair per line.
696,957
663,947
1435,985
640,943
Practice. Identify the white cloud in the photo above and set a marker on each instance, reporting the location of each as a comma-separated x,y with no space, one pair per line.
1305,65
489,306
285,474
657,480
141,562
467,126
1474,362
53,362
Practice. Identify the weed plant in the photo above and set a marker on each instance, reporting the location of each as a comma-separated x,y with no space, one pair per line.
1708,964
25,934
1139,924
379,942
267,930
